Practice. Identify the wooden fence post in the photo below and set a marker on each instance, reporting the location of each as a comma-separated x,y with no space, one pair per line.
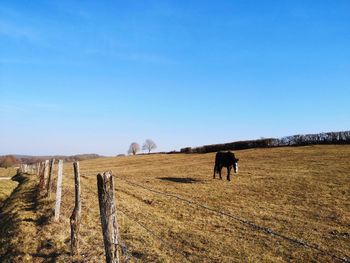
108,216
38,167
59,190
46,172
75,217
49,181
42,174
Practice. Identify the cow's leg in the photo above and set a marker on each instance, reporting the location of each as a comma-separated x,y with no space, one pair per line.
228,173
214,171
220,167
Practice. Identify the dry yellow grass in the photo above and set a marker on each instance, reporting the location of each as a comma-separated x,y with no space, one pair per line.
301,193
7,172
6,186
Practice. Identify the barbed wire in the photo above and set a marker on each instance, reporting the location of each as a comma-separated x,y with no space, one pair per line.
122,245
267,230
253,225
166,244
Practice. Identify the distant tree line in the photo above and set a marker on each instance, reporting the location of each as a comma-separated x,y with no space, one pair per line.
13,160
294,140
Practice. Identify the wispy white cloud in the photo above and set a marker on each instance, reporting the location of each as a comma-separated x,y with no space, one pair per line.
24,61
38,62
12,30
21,26
23,33
141,57
147,58
71,8
13,107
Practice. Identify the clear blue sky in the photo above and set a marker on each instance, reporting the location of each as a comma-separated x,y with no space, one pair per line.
94,76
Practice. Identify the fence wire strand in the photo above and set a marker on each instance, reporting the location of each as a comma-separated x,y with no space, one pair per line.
166,244
251,224
267,230
152,233
122,245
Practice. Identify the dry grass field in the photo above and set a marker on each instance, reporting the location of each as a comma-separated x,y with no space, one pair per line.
6,186
298,193
7,172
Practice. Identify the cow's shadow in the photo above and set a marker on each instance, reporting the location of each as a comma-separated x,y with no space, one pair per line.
186,180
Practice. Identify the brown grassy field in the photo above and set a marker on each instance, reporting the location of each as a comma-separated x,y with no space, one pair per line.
6,186
7,172
301,193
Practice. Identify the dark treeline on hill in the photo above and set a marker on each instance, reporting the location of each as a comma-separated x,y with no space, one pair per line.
73,158
294,140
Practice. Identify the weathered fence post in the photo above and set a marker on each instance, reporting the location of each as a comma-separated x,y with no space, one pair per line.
49,181
42,174
46,172
108,215
38,167
75,217
59,190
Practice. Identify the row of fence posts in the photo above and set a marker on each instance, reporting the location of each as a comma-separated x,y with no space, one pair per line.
45,172
106,200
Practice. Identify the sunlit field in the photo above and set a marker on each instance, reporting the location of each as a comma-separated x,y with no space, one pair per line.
6,186
7,172
284,205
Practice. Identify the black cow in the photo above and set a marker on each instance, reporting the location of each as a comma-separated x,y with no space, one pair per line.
225,159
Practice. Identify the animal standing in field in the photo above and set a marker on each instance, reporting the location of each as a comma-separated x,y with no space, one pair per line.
225,159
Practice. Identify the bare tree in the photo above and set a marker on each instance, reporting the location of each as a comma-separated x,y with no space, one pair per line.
149,145
8,161
134,148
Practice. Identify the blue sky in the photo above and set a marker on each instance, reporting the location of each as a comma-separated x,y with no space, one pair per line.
94,76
